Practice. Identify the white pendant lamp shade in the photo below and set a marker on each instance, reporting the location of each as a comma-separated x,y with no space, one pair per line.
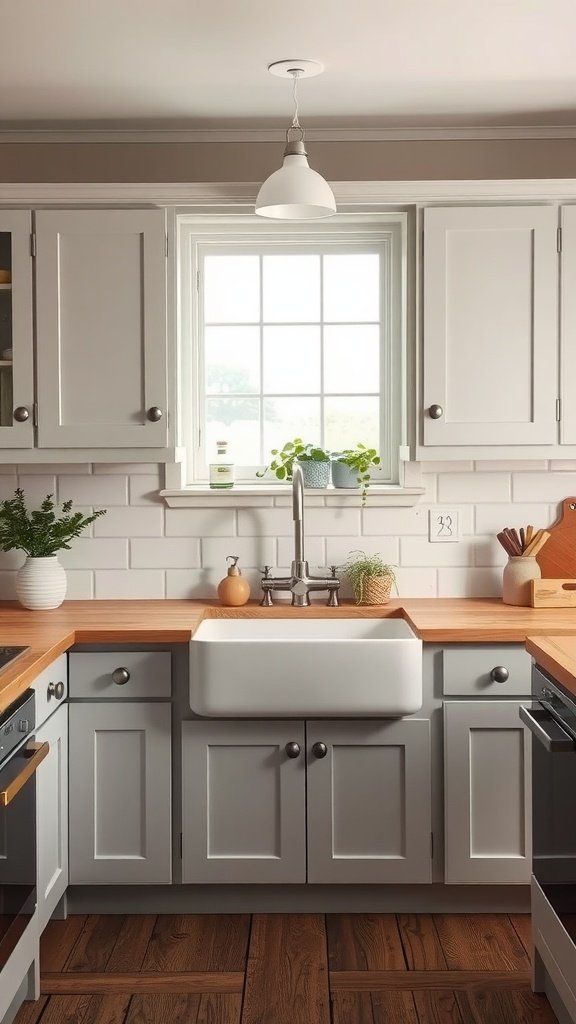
295,192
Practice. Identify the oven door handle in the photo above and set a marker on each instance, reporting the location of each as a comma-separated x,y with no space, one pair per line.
36,752
547,730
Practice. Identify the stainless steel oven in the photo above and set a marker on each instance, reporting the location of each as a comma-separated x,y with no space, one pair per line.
19,759
552,721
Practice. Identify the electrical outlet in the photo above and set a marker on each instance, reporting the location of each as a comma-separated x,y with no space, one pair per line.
443,525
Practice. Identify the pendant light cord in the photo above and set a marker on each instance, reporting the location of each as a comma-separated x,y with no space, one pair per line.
295,119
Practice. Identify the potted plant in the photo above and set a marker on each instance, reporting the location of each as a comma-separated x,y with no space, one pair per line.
351,468
41,533
315,462
370,577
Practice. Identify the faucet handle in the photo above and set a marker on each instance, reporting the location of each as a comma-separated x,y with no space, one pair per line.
266,572
333,570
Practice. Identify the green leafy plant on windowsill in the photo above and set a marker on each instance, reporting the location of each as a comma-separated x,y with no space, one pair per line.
360,460
283,458
370,577
40,533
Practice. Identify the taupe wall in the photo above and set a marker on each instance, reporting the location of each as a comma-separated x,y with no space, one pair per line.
337,161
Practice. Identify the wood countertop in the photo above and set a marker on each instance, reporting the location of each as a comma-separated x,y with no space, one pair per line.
557,656
435,620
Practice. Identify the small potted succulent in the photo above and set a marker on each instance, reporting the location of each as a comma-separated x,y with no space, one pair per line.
41,533
315,462
371,578
351,468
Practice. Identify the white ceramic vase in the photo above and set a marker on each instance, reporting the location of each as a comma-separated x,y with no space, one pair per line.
41,583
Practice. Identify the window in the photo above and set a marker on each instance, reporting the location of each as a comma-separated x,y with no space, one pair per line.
294,331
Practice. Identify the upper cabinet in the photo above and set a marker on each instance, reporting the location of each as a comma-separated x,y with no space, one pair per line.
568,325
16,331
490,323
101,328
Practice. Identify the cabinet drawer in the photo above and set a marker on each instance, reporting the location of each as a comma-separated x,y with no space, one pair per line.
468,671
121,675
51,688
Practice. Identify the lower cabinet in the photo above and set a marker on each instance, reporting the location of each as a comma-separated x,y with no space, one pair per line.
52,815
260,799
487,792
120,793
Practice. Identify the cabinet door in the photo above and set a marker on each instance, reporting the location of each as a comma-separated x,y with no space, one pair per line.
52,815
568,325
369,802
16,332
120,793
243,813
490,325
101,326
486,792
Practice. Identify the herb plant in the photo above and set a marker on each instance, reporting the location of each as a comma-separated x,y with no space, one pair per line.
360,459
41,532
283,460
360,566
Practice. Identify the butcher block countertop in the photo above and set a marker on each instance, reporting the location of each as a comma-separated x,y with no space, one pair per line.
557,656
435,620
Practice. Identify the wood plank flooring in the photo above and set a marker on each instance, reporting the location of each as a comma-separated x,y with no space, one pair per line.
287,969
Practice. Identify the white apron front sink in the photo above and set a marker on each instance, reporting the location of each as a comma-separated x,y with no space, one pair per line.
269,668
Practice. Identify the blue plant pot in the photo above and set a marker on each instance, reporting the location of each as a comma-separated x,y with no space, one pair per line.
343,475
315,474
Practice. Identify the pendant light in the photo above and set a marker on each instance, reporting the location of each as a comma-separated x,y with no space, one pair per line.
295,191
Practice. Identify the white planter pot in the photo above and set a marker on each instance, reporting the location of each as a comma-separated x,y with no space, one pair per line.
41,583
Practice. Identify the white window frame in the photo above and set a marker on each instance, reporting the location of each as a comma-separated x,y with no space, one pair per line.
387,231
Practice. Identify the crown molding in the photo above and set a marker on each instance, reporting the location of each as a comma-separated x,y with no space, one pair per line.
214,196
155,136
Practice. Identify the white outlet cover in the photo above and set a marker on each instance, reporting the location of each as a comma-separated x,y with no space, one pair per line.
443,525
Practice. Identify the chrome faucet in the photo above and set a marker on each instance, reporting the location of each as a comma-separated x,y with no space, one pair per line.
300,583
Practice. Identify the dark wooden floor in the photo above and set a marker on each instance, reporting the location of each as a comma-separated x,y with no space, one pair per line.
288,969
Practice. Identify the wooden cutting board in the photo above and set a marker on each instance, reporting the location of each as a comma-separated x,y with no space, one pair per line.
557,559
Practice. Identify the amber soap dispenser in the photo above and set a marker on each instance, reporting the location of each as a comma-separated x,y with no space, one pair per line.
233,590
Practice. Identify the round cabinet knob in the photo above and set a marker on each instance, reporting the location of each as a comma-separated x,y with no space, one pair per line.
21,414
292,749
120,676
435,412
499,674
319,750
56,690
154,414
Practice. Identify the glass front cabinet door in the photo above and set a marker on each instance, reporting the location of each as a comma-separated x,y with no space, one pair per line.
16,326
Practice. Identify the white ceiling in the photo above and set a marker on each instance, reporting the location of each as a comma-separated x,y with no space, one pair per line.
202,63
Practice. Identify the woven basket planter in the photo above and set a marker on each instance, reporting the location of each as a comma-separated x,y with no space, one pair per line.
376,589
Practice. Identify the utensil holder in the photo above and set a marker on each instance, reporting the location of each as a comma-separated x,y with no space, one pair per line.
516,577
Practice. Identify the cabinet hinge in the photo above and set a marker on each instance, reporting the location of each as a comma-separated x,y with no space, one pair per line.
559,240
181,845
432,845
34,414
558,410
32,245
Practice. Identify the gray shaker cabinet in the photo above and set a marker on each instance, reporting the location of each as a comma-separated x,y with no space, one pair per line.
251,813
120,793
52,815
486,792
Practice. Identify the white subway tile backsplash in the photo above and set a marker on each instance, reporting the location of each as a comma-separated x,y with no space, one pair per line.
416,582
144,489
395,521
96,553
563,465
203,583
511,466
314,548
94,490
339,549
334,522
36,488
266,522
165,553
57,468
7,586
128,468
131,521
129,584
477,487
8,470
470,582
255,551
80,584
11,559
417,551
8,485
489,551
464,466
543,486
493,518
192,522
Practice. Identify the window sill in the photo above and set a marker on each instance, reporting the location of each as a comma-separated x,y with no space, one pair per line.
266,496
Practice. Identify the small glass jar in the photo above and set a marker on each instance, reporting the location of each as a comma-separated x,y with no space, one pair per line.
518,572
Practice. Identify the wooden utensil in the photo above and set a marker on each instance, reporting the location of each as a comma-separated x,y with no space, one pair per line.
537,543
529,534
553,593
557,559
